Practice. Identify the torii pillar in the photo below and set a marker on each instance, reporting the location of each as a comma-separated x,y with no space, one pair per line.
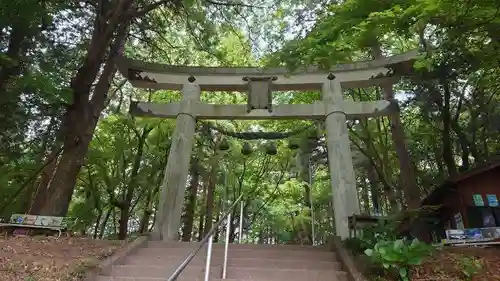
176,172
342,177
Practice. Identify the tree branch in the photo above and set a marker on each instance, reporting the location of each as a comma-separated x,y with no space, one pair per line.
150,7
231,4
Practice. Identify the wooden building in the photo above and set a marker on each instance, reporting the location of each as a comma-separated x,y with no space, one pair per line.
468,200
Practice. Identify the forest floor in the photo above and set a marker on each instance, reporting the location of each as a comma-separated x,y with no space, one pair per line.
454,264
460,263
42,258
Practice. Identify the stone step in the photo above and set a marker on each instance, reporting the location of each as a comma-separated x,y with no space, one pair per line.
169,252
172,244
217,254
234,262
278,247
110,278
242,273
278,254
192,245
161,260
136,271
283,264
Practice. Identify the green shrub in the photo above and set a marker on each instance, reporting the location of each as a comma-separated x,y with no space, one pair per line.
370,236
398,255
379,232
356,245
470,266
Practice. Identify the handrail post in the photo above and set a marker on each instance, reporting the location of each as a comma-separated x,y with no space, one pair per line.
226,246
313,229
209,257
207,238
240,231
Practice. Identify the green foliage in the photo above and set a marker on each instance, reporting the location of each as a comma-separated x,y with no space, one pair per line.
470,266
370,236
398,255
356,245
381,231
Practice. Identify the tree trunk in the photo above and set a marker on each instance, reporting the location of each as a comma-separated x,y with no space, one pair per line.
232,233
152,224
14,49
305,176
438,159
190,207
148,206
446,136
210,199
374,188
144,222
81,117
261,236
38,199
473,130
132,185
217,218
408,181
464,145
113,214
97,224
201,224
102,229
407,177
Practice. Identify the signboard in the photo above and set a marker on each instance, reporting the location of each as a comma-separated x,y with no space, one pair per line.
482,234
49,221
478,200
22,219
455,234
458,221
491,232
492,200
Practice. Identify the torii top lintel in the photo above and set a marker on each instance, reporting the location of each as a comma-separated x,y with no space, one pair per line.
355,75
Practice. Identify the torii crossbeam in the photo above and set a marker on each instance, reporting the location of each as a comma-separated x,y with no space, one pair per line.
259,83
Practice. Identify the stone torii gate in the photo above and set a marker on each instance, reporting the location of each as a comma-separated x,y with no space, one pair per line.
259,83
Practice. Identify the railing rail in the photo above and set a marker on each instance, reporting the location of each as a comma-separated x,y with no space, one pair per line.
208,238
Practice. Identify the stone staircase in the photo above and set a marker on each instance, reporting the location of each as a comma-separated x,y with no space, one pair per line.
157,261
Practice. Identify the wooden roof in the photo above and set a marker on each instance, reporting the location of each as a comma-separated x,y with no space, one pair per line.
451,184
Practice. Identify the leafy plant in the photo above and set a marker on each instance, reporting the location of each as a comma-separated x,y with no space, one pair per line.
398,255
370,236
355,245
470,266
380,231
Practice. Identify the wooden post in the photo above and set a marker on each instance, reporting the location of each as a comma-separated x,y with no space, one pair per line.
176,172
345,197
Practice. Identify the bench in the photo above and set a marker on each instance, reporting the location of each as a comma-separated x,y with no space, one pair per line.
356,222
402,221
41,222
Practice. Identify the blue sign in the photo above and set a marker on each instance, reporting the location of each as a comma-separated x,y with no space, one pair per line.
492,200
473,233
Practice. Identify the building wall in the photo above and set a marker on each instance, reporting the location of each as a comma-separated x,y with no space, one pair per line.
453,204
484,183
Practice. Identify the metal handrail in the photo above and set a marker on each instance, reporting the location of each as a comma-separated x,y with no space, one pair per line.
208,238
